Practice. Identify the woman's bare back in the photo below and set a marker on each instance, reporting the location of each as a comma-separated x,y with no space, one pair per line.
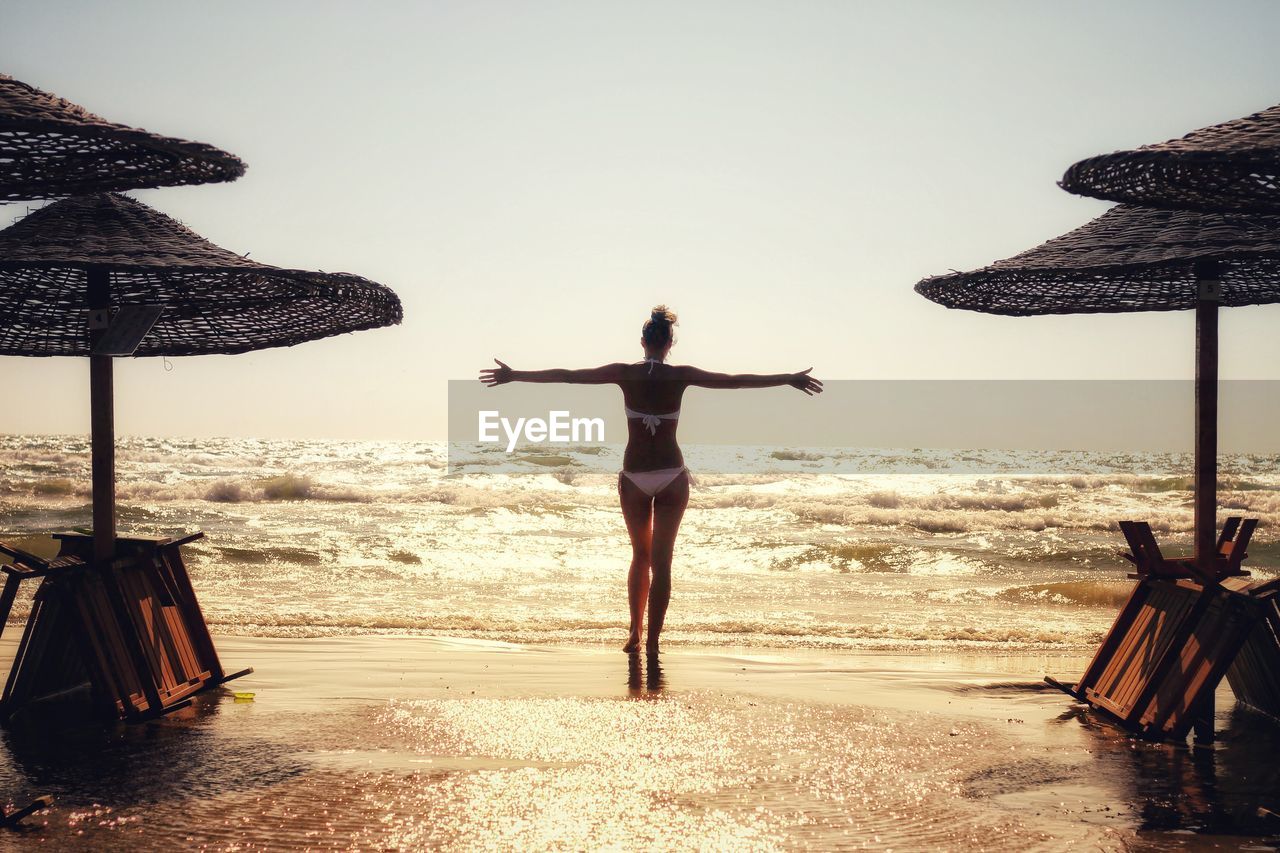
654,389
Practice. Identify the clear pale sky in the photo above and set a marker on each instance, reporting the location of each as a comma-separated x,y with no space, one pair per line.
532,177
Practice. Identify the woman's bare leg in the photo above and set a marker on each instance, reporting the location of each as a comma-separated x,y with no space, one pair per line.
668,509
637,510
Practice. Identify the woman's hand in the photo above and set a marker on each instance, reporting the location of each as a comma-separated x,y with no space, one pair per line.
499,375
804,382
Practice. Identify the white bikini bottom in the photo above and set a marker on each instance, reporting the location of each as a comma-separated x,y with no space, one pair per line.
653,482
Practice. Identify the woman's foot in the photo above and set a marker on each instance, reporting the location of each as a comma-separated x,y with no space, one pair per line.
650,646
633,644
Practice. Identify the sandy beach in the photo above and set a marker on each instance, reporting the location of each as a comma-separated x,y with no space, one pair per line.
411,742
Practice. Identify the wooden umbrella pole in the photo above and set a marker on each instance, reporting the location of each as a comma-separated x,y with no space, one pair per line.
102,424
1206,451
1206,445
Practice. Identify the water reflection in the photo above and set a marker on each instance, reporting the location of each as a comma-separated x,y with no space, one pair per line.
1232,788
644,681
183,754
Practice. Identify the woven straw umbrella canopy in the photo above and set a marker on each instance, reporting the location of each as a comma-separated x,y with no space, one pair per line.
1141,259
1229,167
214,300
1129,259
76,273
50,148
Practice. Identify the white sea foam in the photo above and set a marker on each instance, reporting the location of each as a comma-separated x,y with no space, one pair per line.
838,547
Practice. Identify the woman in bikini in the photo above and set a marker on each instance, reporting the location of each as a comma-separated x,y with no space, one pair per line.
653,485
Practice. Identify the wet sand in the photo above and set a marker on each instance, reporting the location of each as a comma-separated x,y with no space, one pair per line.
403,742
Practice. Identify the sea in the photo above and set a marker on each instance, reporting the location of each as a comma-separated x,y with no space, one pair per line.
811,547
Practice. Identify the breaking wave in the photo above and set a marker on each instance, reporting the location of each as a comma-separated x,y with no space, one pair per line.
738,633
824,547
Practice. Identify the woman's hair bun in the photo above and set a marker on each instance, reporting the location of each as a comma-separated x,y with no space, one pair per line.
663,314
657,329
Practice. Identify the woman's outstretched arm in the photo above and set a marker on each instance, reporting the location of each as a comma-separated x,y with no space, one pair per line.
706,379
502,374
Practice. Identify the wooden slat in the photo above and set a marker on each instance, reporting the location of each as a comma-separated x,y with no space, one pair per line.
1248,673
6,599
22,658
1186,687
1165,610
1181,606
129,638
1266,651
182,641
182,691
37,652
1224,640
90,659
174,544
113,664
1119,630
1255,674
1243,673
170,628
197,628
1107,705
1170,655
1174,696
1148,641
140,606
1114,668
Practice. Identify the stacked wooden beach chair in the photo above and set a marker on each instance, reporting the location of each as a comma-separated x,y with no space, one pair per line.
1197,228
1184,628
122,638
115,625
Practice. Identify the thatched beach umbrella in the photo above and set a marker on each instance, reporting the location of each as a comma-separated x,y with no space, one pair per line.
105,275
50,148
1141,259
1229,167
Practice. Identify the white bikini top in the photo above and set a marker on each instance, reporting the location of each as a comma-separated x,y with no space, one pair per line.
652,421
